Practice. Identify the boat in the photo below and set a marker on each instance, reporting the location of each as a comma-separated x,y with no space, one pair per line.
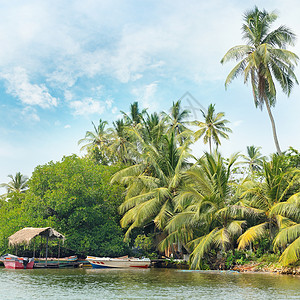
16,262
120,262
64,262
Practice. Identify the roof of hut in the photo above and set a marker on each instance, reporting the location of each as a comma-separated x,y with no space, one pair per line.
26,234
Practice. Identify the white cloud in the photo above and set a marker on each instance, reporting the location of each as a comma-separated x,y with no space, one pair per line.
29,114
109,103
67,126
87,106
237,123
145,95
68,95
19,85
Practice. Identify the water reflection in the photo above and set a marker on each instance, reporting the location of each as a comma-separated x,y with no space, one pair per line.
144,284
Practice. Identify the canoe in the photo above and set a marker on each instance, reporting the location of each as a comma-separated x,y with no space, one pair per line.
120,262
16,262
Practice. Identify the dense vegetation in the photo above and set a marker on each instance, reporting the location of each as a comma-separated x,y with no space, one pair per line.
75,198
169,200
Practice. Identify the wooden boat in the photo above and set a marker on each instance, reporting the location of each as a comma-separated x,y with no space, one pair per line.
50,262
15,262
120,262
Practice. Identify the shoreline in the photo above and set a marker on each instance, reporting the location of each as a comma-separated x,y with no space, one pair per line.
258,268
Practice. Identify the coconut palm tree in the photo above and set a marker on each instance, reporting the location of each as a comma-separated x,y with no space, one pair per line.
288,237
201,221
18,183
98,137
152,184
120,146
266,199
177,117
96,142
135,116
254,159
213,127
264,60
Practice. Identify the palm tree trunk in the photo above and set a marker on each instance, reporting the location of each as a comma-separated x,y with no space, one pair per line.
209,140
273,127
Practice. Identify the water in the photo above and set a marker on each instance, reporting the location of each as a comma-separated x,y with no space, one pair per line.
144,284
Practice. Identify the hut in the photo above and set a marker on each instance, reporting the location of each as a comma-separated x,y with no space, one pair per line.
25,235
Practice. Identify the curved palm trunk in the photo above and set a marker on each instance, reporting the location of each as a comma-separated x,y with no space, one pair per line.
273,127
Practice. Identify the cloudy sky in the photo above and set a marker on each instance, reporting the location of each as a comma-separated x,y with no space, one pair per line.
66,63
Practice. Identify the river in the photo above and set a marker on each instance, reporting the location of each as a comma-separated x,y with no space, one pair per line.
144,284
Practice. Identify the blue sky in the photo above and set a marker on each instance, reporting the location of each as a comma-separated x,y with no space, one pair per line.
64,64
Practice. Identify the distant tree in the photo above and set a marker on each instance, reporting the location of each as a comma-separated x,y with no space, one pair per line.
18,183
135,116
75,197
254,159
213,127
96,142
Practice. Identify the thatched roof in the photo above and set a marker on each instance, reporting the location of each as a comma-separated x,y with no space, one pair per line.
25,235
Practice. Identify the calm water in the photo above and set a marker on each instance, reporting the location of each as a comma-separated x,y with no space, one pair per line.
144,284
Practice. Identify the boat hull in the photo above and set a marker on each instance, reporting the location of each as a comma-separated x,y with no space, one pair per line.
105,262
15,262
66,262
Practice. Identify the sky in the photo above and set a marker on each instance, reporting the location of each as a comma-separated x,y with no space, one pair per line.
65,64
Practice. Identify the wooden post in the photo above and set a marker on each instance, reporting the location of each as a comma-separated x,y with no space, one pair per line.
46,250
33,247
58,252
58,248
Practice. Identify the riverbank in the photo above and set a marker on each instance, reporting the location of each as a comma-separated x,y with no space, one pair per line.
260,267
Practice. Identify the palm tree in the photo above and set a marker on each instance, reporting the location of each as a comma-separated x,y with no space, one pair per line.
135,116
254,159
96,137
267,200
213,126
201,221
18,184
177,117
152,184
288,237
264,59
96,142
119,143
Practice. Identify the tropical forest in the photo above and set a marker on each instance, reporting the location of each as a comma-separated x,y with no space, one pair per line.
139,189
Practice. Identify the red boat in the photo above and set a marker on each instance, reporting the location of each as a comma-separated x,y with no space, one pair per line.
15,262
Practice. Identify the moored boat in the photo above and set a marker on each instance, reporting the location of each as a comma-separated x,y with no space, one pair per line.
120,262
15,262
64,262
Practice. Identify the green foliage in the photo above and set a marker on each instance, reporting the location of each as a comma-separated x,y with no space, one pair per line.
144,242
73,196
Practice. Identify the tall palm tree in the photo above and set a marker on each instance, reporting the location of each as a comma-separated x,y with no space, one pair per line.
213,127
264,60
18,183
